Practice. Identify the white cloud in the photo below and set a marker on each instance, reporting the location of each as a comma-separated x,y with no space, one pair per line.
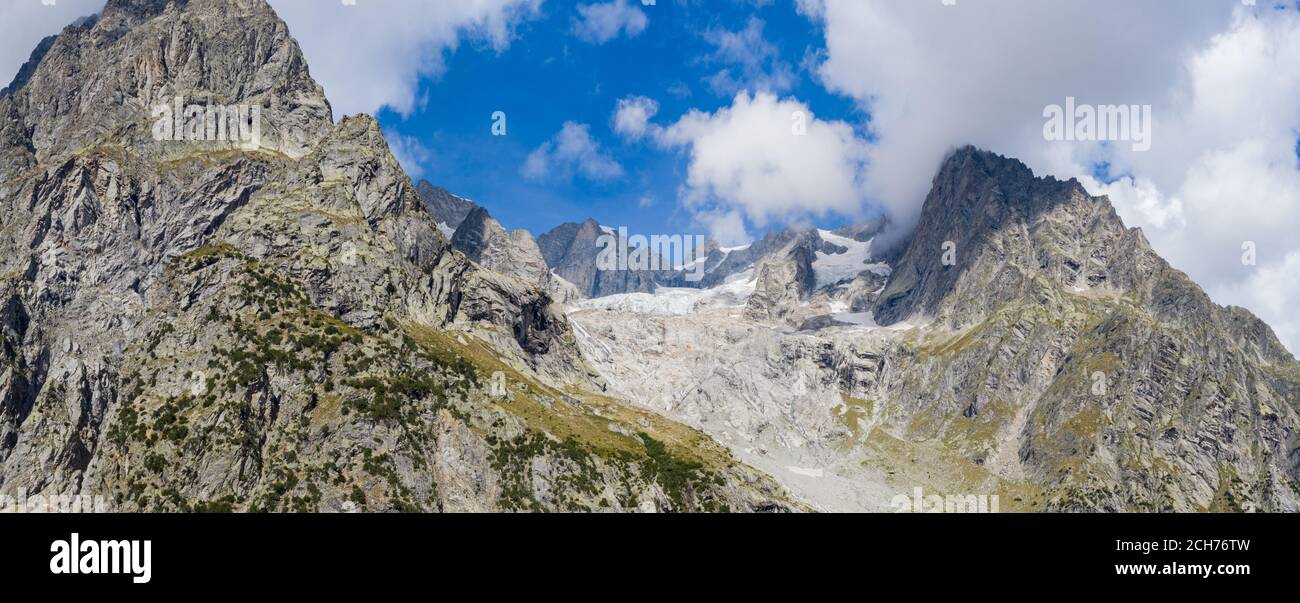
755,60
632,118
765,159
1272,291
935,77
409,151
727,227
1223,81
571,151
26,23
601,22
373,54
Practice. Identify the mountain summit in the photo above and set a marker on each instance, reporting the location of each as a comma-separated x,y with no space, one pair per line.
1060,344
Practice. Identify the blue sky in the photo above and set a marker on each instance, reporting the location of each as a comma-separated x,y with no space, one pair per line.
549,76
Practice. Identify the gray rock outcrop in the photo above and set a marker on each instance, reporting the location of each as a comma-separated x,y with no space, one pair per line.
571,251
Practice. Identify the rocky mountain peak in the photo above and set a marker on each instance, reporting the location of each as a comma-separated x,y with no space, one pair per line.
571,249
784,278
991,233
124,14
988,217
141,60
29,67
449,210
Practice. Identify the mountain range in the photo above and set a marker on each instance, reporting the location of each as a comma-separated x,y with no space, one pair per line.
189,325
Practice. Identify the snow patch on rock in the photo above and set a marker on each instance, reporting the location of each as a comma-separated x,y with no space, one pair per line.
678,301
835,268
447,231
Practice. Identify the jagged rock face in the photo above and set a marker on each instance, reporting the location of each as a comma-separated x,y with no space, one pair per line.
447,209
475,233
29,67
863,231
984,220
719,265
139,54
785,279
482,239
570,250
190,326
1061,348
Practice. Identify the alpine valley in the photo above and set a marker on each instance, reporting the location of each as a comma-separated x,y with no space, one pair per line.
292,324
